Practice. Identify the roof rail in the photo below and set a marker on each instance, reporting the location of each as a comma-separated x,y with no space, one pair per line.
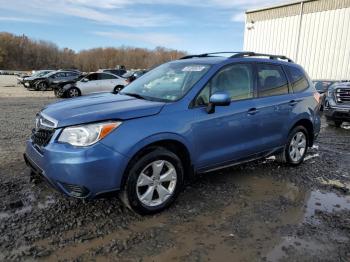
208,54
240,55
249,54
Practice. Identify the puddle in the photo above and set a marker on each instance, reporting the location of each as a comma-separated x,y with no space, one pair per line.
328,202
278,253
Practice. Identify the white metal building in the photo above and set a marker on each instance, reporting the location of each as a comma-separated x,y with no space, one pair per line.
314,33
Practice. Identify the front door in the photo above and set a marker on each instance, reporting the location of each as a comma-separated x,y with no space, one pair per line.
230,133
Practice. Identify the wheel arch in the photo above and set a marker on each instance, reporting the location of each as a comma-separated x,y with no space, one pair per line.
172,144
308,125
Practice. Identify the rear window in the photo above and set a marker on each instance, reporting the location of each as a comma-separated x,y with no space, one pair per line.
106,76
272,80
298,79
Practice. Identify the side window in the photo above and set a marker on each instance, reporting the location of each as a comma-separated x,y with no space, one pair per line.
299,81
106,76
203,97
235,80
271,80
92,77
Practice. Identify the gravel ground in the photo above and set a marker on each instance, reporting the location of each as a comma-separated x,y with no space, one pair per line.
261,211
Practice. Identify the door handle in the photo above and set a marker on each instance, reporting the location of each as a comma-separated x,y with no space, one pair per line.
253,111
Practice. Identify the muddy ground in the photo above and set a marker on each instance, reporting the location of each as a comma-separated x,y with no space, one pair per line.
261,211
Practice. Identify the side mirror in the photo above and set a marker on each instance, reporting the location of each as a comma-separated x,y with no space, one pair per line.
218,99
85,80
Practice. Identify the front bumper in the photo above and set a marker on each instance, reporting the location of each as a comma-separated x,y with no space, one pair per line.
77,172
337,113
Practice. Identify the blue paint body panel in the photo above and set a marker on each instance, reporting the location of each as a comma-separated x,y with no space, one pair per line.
229,134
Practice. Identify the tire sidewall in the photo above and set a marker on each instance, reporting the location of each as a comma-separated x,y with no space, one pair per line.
68,92
43,87
290,137
117,89
134,172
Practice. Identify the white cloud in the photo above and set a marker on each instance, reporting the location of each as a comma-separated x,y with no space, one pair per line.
122,12
20,19
158,39
239,17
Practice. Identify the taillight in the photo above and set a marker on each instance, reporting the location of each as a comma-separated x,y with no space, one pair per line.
317,97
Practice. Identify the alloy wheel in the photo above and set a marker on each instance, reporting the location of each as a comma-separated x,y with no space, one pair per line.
297,146
73,92
156,183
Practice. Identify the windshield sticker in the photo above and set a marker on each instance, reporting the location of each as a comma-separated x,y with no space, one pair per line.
193,69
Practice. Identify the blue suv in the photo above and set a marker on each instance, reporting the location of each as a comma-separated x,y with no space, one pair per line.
193,115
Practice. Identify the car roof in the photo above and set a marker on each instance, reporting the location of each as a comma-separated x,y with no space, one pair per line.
219,60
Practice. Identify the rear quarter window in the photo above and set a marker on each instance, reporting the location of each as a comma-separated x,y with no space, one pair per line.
298,79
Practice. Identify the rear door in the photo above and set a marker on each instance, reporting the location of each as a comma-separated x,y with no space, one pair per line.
107,82
273,105
230,133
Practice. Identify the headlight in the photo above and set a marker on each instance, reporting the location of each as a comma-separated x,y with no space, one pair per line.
86,135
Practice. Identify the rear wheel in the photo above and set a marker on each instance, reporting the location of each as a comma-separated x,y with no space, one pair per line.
295,150
117,89
73,92
153,182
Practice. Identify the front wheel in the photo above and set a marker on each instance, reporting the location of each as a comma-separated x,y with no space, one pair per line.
153,182
42,86
296,147
73,92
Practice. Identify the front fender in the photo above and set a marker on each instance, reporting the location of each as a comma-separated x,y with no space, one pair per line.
160,137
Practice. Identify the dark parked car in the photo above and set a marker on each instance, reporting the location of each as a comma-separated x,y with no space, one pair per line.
322,87
133,75
29,81
194,115
118,72
337,104
45,82
60,87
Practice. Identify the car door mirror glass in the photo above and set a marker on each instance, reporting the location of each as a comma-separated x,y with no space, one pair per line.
220,99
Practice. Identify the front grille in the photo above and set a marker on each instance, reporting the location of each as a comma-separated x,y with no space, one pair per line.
41,137
342,95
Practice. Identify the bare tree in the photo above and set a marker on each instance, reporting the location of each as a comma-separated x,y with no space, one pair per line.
23,53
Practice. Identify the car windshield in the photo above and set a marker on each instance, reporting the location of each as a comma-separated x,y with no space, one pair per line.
168,82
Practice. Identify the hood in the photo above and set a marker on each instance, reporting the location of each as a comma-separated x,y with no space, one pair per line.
101,107
31,78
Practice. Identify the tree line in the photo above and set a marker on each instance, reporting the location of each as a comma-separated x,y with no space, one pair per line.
19,52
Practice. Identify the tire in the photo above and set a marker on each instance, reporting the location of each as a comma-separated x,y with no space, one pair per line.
143,192
59,93
73,92
41,86
117,89
289,156
335,123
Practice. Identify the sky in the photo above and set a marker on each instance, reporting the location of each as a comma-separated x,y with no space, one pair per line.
195,26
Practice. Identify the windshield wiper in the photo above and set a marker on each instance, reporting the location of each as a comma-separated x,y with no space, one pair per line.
134,95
